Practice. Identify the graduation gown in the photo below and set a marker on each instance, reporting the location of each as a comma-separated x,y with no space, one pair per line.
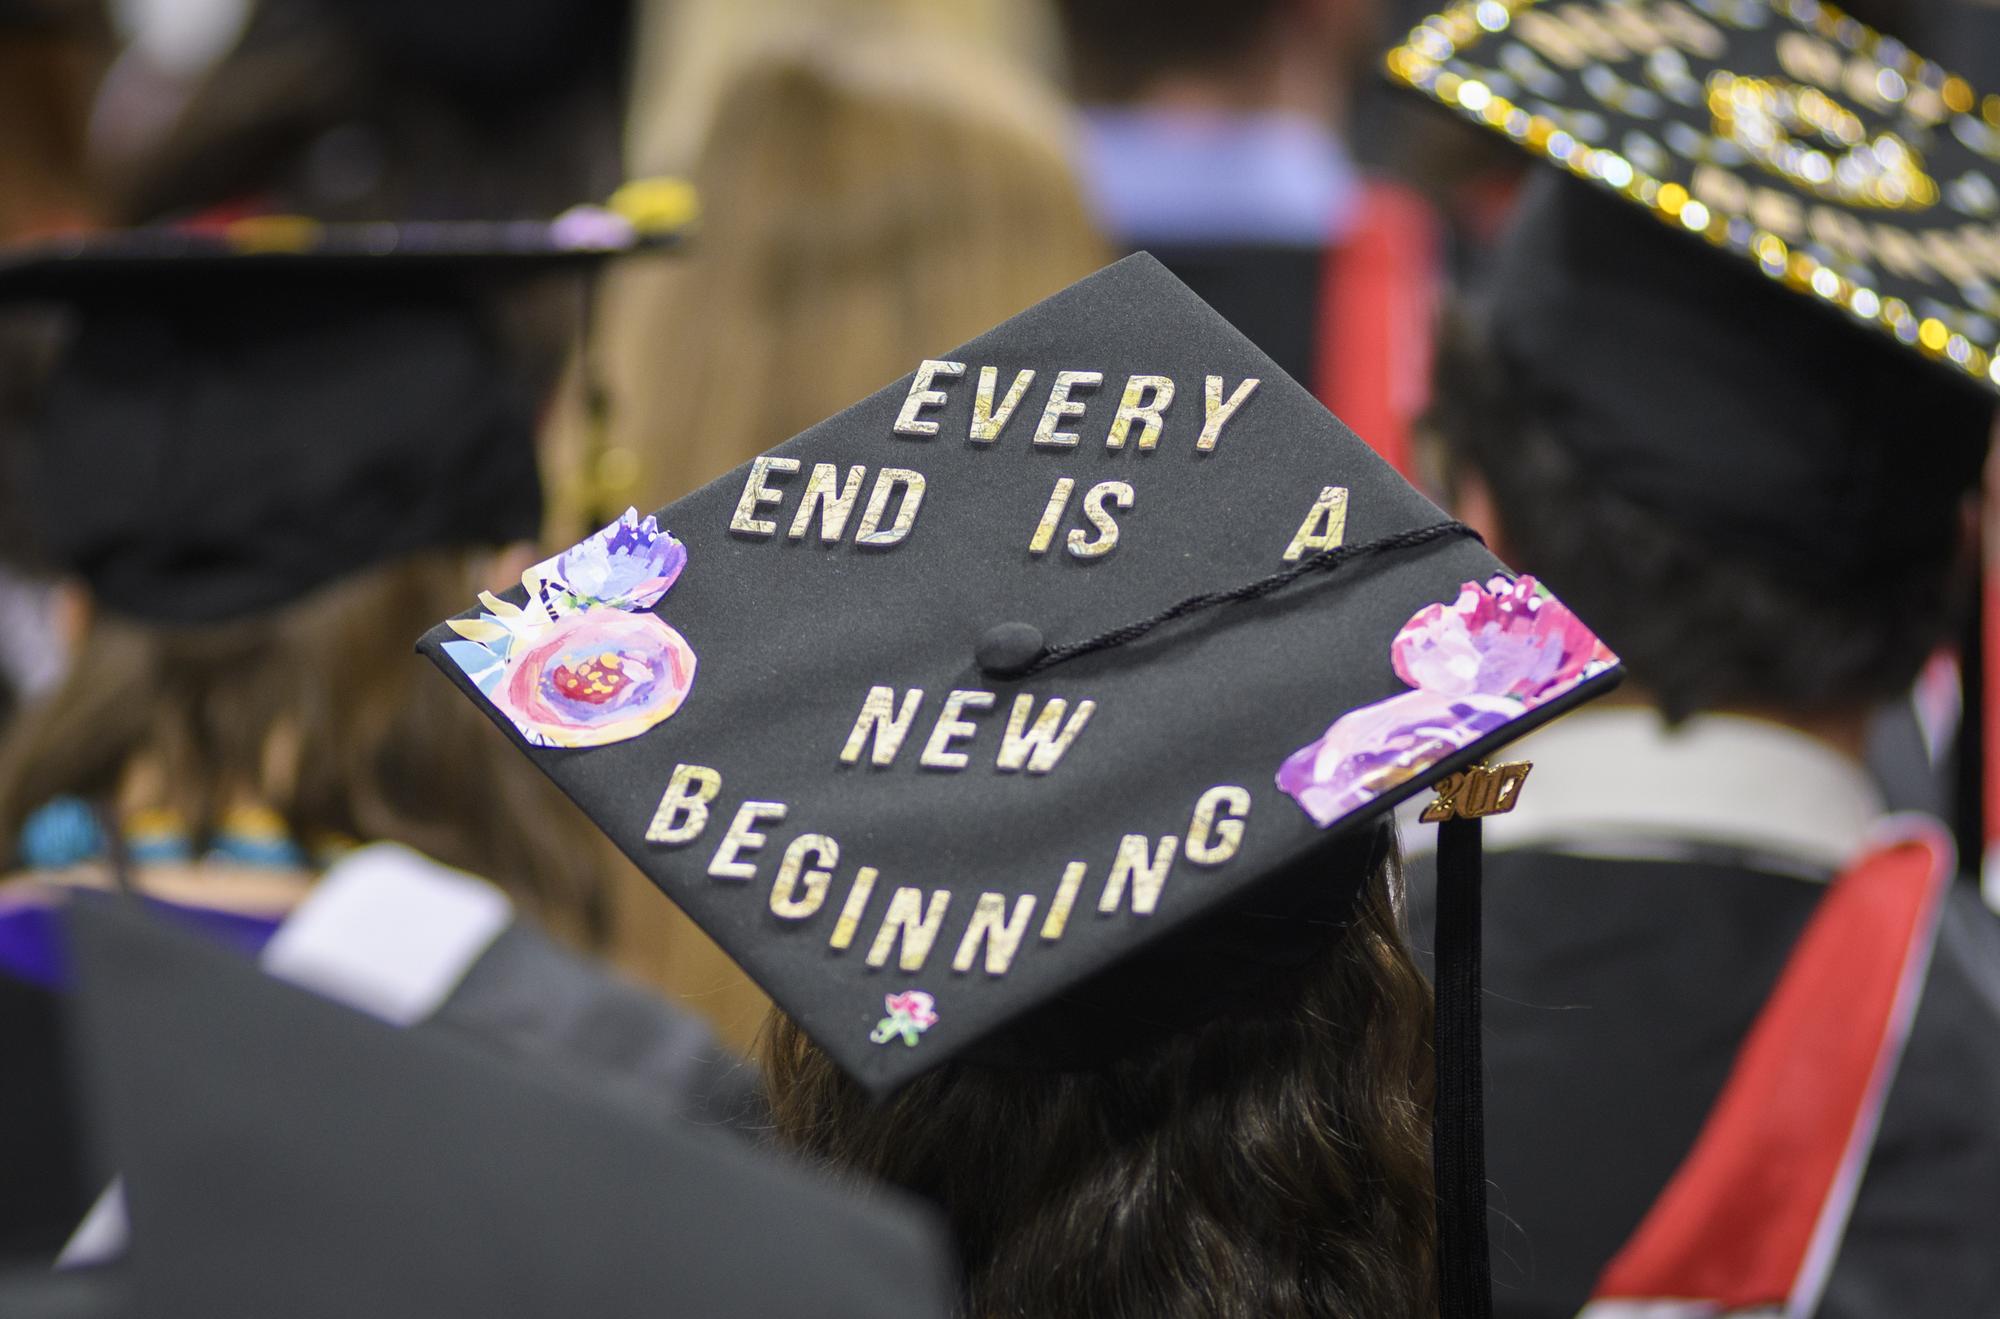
406,940
1656,915
287,1156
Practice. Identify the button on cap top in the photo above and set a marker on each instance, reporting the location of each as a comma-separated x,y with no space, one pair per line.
1008,649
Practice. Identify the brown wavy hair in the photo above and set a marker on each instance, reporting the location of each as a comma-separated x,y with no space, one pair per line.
322,711
1271,1162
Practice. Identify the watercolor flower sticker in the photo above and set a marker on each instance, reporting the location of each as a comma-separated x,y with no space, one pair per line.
584,662
1505,638
628,565
1476,664
911,1013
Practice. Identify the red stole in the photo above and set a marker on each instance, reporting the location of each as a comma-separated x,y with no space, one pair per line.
1751,1221
1378,301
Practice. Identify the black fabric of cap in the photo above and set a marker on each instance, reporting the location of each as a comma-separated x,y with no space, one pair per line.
758,658
208,453
1691,385
282,1155
1199,972
38,1292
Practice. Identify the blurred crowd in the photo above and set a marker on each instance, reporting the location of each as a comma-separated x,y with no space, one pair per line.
876,180
208,696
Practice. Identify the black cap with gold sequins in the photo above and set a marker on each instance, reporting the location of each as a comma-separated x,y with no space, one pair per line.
1836,160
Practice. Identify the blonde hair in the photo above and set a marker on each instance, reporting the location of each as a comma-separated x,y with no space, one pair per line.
869,199
47,80
685,52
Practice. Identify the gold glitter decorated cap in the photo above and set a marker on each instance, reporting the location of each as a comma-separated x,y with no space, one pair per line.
1837,161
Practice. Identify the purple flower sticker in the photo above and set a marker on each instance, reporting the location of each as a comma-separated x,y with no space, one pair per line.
1477,664
911,1013
628,565
1371,750
585,663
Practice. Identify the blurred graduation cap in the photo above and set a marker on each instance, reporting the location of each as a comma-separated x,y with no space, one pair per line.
1833,159
244,414
281,1154
223,251
996,716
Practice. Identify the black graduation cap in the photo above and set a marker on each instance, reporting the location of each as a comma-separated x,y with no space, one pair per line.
281,1154
1080,633
989,716
243,415
213,252
1833,159
38,1292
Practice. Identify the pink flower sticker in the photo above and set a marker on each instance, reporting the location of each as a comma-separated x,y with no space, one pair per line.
1501,639
597,677
1477,664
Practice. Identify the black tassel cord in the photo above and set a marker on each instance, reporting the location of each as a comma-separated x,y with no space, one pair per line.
1458,1127
1325,561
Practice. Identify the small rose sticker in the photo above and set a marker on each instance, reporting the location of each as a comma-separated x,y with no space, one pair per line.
911,1013
1477,664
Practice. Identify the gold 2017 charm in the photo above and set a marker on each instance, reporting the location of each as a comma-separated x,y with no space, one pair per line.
1480,791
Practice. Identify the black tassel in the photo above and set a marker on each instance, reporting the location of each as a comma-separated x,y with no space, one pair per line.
1458,1129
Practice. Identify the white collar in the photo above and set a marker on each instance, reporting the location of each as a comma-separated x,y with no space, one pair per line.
1619,783
388,931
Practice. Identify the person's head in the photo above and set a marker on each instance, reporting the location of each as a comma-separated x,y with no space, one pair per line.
1132,50
1759,508
1270,1159
868,199
265,494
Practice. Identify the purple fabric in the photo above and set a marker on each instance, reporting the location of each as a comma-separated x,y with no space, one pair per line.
32,947
1157,176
